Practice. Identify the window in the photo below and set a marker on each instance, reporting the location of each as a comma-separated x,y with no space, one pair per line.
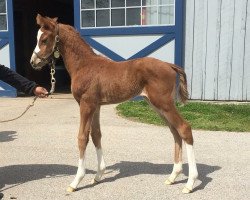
127,13
3,15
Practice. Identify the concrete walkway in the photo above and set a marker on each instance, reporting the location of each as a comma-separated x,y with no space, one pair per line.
39,155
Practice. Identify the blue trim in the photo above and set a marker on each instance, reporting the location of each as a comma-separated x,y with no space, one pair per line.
128,30
176,32
8,37
154,46
137,98
144,52
4,34
7,89
11,34
77,14
104,50
6,86
7,93
3,42
179,9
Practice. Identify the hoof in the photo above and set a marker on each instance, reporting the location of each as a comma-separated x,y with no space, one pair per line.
169,182
94,182
186,190
70,189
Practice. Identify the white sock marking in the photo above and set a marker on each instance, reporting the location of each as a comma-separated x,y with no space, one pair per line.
101,164
80,173
177,169
193,173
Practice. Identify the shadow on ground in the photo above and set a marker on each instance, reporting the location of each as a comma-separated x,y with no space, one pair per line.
7,136
18,174
129,169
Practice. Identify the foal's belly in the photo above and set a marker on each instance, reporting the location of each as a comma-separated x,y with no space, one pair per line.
116,94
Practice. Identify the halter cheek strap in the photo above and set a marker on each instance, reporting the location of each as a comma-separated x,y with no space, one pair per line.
56,52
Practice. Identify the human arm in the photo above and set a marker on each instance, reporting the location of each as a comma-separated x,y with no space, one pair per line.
21,83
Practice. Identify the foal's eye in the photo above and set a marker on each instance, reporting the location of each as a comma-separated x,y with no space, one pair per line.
45,42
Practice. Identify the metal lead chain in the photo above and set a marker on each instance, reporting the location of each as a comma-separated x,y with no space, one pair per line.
53,80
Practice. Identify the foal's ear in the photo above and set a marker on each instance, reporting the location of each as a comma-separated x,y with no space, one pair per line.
40,20
55,19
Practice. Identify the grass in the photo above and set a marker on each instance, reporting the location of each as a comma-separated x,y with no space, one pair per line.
205,116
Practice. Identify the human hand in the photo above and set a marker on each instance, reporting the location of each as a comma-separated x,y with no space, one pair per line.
40,92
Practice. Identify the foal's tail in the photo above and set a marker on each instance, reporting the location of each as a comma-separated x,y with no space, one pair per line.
183,92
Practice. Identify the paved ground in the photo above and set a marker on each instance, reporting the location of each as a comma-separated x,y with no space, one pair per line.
38,157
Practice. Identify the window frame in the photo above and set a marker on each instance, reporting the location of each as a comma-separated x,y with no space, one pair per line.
6,17
95,9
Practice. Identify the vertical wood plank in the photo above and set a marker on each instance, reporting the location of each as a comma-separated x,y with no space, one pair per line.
189,34
213,47
225,54
199,50
246,68
204,53
217,49
238,51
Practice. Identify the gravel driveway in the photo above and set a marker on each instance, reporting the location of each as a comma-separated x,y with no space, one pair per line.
39,155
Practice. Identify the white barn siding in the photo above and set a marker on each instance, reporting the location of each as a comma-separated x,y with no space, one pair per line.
199,49
246,64
217,34
212,42
236,89
189,42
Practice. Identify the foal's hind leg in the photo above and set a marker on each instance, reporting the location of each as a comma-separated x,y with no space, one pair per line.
96,138
184,130
177,168
167,108
86,114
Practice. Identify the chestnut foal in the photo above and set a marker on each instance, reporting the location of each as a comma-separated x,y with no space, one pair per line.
96,81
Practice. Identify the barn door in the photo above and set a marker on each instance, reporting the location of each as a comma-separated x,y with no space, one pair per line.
128,29
7,56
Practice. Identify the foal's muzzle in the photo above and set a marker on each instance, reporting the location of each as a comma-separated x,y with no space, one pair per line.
36,62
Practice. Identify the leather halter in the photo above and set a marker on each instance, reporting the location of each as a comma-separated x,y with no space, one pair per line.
50,57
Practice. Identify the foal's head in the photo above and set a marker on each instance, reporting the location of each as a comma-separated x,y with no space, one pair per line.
47,38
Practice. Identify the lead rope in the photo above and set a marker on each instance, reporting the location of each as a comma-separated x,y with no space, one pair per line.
53,84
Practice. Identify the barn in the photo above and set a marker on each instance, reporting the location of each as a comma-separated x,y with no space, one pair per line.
210,39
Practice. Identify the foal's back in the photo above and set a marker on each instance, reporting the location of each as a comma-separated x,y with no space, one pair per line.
115,82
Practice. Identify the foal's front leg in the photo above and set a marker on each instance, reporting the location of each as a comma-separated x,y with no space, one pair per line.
96,138
86,114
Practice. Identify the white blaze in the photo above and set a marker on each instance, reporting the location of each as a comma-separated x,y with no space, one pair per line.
34,58
39,34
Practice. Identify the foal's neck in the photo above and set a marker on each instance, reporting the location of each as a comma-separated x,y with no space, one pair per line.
75,51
